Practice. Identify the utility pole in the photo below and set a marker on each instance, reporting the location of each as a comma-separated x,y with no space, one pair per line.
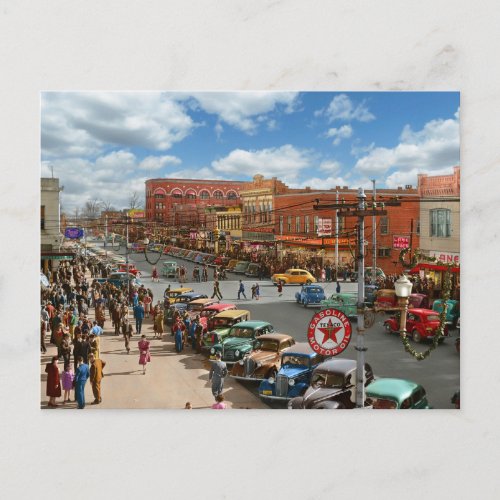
126,257
337,237
360,337
374,228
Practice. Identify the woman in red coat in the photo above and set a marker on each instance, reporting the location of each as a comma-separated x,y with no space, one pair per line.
53,381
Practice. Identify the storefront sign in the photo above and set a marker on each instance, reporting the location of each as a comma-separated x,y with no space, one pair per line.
400,242
324,227
136,214
329,332
73,233
446,257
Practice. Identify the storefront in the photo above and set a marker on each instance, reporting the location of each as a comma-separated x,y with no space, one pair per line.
50,260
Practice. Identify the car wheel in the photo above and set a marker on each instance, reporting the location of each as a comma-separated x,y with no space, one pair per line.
388,328
305,303
295,403
415,335
308,282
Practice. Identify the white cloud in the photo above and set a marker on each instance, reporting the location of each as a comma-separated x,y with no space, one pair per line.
357,150
320,182
410,177
86,123
158,162
330,166
199,173
342,108
218,130
343,132
436,146
243,109
285,162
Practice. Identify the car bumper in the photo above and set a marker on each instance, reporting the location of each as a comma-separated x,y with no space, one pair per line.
274,398
250,379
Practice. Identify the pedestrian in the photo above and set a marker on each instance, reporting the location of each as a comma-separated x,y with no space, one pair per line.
158,322
280,288
96,374
178,329
82,373
337,289
192,331
53,381
218,373
144,354
66,349
219,403
96,329
217,292
43,330
127,332
147,301
154,275
241,290
256,291
139,316
58,335
67,378
94,344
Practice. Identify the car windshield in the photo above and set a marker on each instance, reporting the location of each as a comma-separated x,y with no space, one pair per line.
269,345
195,307
207,313
432,317
242,333
326,379
382,403
218,322
295,360
314,290
172,295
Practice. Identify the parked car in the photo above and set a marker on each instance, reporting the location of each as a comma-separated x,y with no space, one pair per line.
175,292
196,306
169,269
386,299
310,295
221,261
169,313
265,360
219,326
380,273
395,393
231,265
241,267
118,279
333,386
419,300
344,302
421,324
190,296
452,312
294,277
122,268
240,340
370,294
292,379
209,311
253,270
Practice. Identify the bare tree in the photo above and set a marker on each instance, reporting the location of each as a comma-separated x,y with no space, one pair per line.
106,206
92,209
134,201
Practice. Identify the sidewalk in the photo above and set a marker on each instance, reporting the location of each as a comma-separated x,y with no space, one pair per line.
171,379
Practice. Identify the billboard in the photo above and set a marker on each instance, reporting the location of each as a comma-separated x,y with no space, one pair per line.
401,242
74,233
136,213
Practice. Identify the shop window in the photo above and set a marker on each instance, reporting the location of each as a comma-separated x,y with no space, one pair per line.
440,226
306,223
384,252
289,223
297,224
218,195
384,225
316,224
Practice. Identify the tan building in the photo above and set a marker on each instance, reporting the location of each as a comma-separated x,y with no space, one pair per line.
440,216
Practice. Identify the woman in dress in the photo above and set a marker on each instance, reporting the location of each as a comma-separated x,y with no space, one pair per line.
144,354
159,323
154,275
53,382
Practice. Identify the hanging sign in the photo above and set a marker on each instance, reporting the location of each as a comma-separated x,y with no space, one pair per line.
73,233
324,227
329,332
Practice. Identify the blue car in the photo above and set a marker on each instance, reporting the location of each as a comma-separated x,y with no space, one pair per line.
297,365
310,295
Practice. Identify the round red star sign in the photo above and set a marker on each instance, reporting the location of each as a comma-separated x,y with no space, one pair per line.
329,332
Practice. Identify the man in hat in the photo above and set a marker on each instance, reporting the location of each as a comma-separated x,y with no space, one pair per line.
218,372
96,367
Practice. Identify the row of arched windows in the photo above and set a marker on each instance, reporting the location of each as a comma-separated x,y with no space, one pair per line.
190,194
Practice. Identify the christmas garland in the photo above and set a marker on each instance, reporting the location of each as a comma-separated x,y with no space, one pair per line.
159,257
418,256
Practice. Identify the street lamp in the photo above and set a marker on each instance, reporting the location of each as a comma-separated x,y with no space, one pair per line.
403,288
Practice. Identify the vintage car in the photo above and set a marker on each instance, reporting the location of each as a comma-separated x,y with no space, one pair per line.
118,279
452,312
265,360
241,267
169,269
395,393
419,300
253,270
209,311
189,297
370,294
122,268
386,299
344,302
333,386
421,324
221,261
293,277
310,295
196,306
175,292
169,313
240,340
292,379
231,264
368,272
219,326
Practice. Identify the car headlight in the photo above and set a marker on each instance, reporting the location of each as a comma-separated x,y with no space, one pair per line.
236,353
241,362
212,351
291,382
271,380
259,364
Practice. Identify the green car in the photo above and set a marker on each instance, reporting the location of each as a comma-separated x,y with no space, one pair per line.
452,312
242,339
344,302
395,393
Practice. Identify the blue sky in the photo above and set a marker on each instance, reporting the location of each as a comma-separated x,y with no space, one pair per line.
103,145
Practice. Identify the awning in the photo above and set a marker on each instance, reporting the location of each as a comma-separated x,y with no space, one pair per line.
433,267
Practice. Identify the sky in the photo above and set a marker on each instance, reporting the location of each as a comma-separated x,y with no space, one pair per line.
104,145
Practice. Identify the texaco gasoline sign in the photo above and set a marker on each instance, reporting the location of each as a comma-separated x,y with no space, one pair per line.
329,332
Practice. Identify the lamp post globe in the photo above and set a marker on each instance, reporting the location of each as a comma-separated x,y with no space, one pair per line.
403,286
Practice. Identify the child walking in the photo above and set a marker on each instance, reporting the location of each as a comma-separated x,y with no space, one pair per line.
67,382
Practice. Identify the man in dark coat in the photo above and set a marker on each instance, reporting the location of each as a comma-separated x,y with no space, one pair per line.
81,348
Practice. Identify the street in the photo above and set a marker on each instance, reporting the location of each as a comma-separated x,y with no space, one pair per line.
439,374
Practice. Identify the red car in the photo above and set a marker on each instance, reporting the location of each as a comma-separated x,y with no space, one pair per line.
210,311
420,324
131,269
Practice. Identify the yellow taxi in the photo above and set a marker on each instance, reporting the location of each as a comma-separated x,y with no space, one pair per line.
294,277
175,292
